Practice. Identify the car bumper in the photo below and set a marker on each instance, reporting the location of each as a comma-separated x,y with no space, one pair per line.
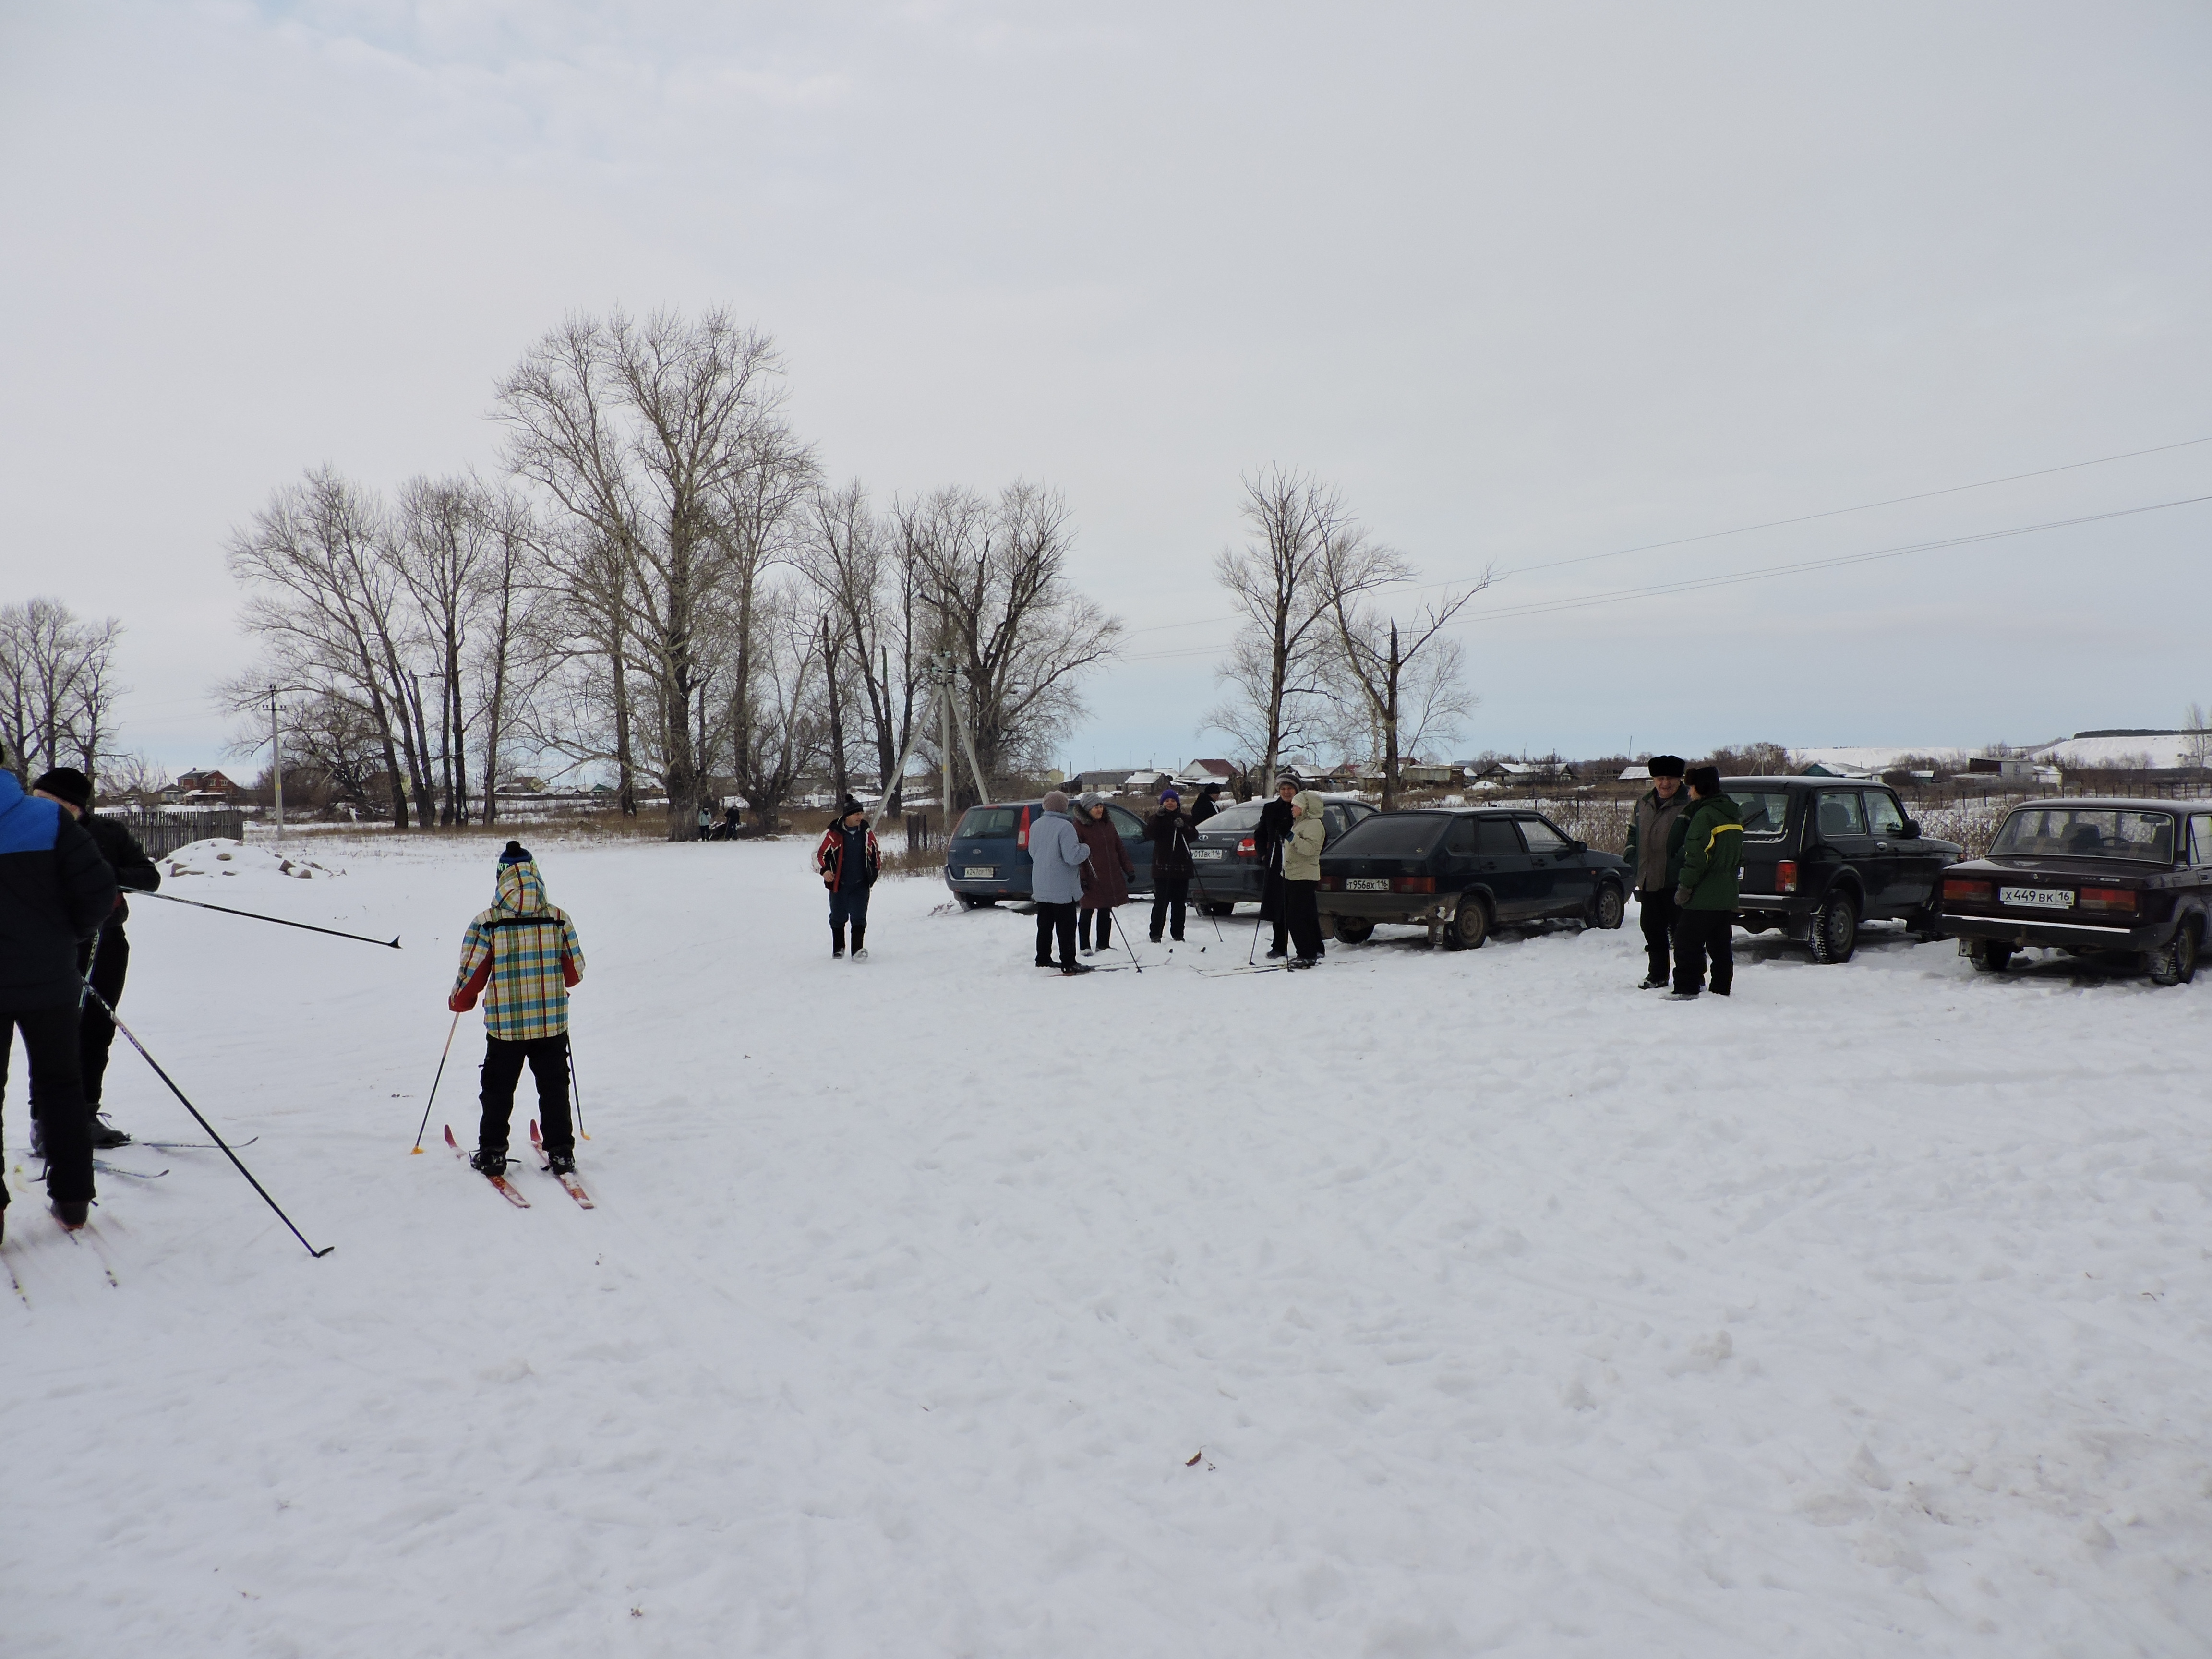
1229,881
2051,935
1014,884
1421,909
1770,906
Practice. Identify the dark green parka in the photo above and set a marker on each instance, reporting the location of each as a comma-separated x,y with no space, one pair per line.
1712,856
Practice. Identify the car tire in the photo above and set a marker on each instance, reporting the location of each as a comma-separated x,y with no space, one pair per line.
2175,962
1989,956
1220,909
1608,908
1835,930
968,902
1354,930
1469,927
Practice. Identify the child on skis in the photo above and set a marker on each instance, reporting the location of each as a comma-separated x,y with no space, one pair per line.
848,861
522,955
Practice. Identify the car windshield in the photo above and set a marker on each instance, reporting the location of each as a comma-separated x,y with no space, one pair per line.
1232,818
1392,834
1765,811
989,823
2086,832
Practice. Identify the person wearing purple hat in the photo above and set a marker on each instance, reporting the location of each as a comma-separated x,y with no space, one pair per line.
1169,831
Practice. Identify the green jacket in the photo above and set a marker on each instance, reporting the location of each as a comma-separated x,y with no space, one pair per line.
1666,822
1712,856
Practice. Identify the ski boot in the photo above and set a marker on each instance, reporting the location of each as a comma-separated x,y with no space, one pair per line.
561,1163
486,1162
105,1137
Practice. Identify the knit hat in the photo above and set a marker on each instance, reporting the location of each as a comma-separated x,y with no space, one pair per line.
516,854
847,806
1706,780
1056,801
1170,793
1286,781
67,783
1665,766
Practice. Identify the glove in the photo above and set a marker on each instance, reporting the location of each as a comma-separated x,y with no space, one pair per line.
461,1001
1682,897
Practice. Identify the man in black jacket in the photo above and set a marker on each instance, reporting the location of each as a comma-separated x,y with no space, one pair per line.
55,891
108,959
1169,831
1275,826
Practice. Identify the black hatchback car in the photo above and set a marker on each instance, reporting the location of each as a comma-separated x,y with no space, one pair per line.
1821,855
1225,853
1461,872
2127,881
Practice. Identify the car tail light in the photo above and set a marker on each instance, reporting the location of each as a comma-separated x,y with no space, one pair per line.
1413,884
1247,849
1330,884
1022,833
2106,899
1785,875
1969,892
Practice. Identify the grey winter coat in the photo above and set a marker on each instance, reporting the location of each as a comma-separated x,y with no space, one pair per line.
1056,856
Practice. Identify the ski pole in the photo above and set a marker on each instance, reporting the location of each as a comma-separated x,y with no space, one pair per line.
255,916
425,1126
577,1088
1205,904
208,1127
1122,933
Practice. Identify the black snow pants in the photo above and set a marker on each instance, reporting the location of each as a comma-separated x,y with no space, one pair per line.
1302,903
503,1069
110,962
1275,908
1103,919
1056,921
1169,895
1656,912
1700,933
56,1096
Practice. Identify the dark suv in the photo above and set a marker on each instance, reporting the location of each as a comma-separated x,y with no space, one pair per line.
1225,852
1821,855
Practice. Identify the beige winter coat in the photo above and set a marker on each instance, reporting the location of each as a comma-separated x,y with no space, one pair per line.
1301,851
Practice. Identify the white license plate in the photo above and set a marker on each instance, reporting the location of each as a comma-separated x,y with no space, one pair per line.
1207,853
1366,884
978,871
2037,898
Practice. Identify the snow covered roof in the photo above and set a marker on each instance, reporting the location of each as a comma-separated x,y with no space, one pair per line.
1207,771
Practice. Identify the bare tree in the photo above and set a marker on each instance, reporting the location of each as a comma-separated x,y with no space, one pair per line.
779,722
665,442
1405,679
57,688
995,588
870,573
2197,738
1277,675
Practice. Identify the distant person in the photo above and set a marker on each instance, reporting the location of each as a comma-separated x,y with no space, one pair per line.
1205,805
1057,856
521,956
1705,892
56,890
1106,873
729,823
1169,831
706,820
1654,852
848,861
1269,840
106,961
1302,877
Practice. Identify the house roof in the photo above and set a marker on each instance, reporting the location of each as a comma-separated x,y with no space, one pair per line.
1208,769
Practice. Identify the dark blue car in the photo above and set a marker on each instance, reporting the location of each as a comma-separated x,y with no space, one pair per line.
989,857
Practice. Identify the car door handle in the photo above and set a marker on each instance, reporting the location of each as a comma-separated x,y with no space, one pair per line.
1881,847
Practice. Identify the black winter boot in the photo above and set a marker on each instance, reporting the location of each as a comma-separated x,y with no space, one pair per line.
486,1162
860,949
836,940
72,1213
105,1135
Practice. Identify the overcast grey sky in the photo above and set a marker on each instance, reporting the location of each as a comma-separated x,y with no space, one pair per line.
1530,282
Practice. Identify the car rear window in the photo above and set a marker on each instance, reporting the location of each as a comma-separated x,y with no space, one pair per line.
1394,835
2087,832
1236,819
989,822
1765,811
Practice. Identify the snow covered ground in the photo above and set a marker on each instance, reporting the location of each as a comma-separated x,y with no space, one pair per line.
1425,1304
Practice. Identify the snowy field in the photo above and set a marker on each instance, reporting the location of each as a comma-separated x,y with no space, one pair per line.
1427,1304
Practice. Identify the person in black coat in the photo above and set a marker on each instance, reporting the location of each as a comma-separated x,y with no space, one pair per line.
1205,805
55,891
1268,841
106,960
1169,830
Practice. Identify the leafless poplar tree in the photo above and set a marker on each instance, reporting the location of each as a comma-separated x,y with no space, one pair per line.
58,687
869,573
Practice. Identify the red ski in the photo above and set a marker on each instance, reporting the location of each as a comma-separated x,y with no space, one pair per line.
508,1189
569,1184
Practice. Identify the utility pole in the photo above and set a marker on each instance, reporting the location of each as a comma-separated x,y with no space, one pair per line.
941,673
276,760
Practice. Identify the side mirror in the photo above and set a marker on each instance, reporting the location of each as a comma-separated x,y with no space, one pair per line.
1909,830
1578,846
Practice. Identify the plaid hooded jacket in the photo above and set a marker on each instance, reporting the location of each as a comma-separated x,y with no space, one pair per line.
522,955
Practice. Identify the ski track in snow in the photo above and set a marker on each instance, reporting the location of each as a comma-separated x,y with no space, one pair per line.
1507,1310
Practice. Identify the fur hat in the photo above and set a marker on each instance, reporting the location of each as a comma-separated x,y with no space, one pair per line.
516,853
67,783
1056,801
1706,780
1666,766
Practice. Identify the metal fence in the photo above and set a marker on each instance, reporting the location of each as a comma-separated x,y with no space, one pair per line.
163,833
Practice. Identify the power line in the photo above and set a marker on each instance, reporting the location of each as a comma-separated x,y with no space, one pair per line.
1762,572
1747,529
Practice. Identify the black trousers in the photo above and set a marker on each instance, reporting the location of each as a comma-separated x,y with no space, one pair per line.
1655,911
111,961
49,1038
1169,895
1273,907
848,905
1699,934
1055,921
1301,903
503,1070
1104,918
